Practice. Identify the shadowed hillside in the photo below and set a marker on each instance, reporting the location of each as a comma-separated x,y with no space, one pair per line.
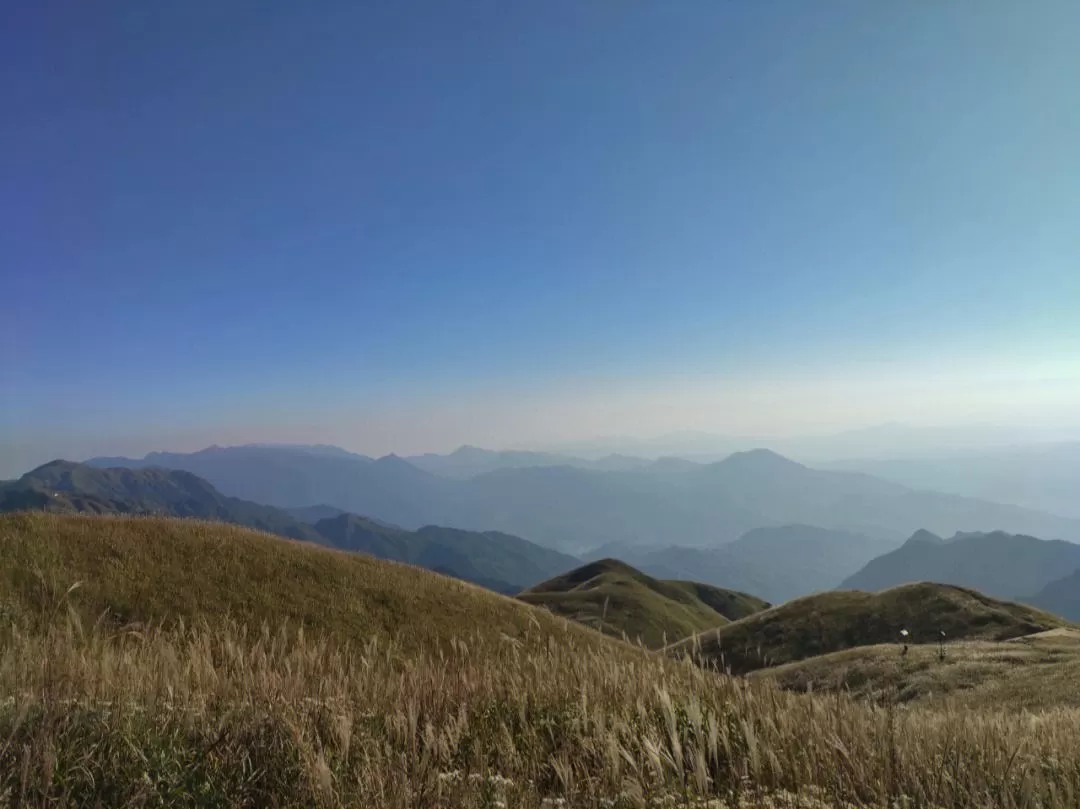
829,622
618,600
495,560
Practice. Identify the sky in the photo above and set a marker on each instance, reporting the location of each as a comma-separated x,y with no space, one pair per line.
403,226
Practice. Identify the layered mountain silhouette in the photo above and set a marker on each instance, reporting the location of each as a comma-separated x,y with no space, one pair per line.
1042,475
286,477
498,561
617,599
575,509
999,564
469,462
63,486
494,560
778,563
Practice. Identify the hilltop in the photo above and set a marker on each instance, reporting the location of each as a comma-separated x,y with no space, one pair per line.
999,564
619,600
160,570
829,622
499,561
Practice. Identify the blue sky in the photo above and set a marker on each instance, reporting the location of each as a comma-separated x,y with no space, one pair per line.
410,225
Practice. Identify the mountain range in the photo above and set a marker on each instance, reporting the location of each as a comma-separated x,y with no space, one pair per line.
777,563
996,563
469,462
1061,597
574,509
498,561
1042,476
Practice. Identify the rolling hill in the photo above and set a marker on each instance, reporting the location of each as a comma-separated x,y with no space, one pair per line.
999,564
499,561
302,676
164,570
618,600
830,622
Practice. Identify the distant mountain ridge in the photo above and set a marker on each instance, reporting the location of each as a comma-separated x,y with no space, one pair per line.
468,462
574,509
494,560
999,564
777,563
64,486
497,561
1044,476
1061,597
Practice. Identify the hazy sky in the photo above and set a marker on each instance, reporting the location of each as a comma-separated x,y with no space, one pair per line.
395,225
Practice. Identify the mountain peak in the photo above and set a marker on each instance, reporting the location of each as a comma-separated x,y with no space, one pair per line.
467,450
759,459
922,535
396,462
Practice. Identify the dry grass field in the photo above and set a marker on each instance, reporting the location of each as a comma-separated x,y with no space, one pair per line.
222,684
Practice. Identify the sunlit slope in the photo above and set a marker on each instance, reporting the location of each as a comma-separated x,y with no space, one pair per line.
164,570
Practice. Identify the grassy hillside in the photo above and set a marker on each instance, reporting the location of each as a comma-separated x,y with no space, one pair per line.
167,570
410,690
1034,672
618,600
829,622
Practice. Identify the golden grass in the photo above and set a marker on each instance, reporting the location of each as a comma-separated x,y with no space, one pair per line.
830,622
614,598
214,712
161,570
1035,673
